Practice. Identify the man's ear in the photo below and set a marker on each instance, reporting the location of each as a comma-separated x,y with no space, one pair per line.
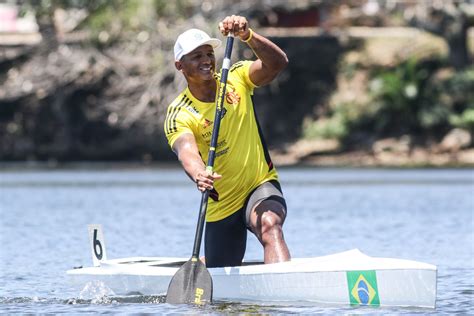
178,65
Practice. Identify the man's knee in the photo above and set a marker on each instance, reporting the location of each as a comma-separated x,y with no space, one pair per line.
270,215
270,220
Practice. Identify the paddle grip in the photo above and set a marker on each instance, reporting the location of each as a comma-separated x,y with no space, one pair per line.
213,147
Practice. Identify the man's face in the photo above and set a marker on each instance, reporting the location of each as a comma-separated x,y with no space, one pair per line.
198,65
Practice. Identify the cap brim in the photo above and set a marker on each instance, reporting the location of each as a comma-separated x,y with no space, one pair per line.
214,42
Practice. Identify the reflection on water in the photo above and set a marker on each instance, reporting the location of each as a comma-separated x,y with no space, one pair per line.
424,215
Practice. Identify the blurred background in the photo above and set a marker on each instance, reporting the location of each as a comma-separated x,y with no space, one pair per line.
370,82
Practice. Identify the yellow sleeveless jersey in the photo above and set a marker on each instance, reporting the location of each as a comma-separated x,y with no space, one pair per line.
241,154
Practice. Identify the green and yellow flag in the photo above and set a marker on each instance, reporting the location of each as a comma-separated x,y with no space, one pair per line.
362,287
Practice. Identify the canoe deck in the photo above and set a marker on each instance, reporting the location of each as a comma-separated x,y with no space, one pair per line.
349,277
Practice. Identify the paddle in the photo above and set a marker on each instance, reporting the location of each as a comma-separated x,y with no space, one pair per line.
192,283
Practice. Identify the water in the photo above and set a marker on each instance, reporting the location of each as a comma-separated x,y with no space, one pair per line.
424,215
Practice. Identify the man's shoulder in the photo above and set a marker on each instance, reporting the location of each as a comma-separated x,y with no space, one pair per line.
180,115
182,106
240,72
239,65
179,100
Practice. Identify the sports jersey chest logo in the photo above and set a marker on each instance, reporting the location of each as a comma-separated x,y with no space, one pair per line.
207,123
232,98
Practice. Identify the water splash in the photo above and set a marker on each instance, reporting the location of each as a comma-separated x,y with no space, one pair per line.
97,292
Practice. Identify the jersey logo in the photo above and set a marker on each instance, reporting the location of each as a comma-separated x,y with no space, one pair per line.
192,109
206,123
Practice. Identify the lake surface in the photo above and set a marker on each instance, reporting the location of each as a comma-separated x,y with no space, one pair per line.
423,215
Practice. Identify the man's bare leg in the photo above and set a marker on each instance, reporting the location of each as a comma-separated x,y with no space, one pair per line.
266,221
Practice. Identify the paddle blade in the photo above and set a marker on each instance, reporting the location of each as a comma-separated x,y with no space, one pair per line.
192,284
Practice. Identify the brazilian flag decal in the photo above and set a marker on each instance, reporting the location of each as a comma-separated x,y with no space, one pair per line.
363,288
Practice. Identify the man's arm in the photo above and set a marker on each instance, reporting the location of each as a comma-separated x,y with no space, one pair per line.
187,151
271,59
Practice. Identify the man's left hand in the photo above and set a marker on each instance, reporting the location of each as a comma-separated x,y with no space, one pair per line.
236,25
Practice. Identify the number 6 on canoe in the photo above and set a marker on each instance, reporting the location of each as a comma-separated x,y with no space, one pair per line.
96,239
192,283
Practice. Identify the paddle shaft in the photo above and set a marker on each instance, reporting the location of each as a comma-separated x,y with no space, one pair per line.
212,150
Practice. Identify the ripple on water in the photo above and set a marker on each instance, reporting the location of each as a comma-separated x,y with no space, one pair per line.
383,212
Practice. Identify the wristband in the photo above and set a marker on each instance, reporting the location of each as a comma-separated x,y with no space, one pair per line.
250,36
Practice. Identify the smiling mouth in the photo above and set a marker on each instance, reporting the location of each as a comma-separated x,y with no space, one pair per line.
206,69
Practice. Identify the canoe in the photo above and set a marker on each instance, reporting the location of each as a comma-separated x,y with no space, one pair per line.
350,278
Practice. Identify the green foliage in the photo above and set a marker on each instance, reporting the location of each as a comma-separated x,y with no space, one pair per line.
335,127
404,100
46,7
456,94
459,94
173,9
108,21
464,120
415,97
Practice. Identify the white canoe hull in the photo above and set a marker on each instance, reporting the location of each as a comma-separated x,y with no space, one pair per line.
349,277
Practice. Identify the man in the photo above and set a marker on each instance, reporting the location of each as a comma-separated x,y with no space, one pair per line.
244,189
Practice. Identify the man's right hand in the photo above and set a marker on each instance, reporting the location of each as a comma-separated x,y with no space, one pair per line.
205,180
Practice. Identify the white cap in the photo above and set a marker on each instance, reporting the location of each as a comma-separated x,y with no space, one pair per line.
192,39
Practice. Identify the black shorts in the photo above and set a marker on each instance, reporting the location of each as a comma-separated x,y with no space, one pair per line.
226,240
